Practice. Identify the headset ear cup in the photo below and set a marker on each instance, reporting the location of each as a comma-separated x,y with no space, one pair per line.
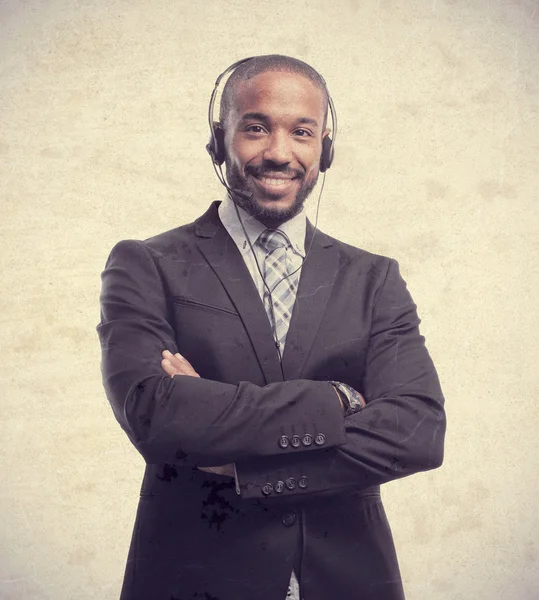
326,158
216,146
210,150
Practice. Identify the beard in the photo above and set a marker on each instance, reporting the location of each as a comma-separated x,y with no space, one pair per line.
271,217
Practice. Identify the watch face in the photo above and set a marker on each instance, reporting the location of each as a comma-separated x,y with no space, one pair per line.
346,391
352,396
354,401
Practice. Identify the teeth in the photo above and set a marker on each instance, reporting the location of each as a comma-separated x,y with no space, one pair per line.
274,181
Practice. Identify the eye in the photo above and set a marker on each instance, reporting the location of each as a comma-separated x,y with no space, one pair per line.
303,133
255,129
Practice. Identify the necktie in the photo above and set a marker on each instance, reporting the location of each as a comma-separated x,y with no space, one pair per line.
279,302
280,290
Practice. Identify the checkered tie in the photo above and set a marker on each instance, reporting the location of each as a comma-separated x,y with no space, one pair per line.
283,289
283,295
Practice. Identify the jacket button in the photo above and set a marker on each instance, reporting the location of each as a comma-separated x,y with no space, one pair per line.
290,483
279,487
302,482
283,441
267,488
320,439
289,519
307,439
295,441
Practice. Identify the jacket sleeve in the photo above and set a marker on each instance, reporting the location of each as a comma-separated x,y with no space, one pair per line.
188,420
399,432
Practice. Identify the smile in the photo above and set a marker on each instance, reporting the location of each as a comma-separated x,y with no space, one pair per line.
276,185
274,181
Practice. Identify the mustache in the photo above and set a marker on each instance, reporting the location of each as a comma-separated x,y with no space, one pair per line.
269,167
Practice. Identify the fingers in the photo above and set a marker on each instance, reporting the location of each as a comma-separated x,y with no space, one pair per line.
169,368
176,364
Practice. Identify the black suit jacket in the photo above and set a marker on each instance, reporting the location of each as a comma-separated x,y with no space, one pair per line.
354,321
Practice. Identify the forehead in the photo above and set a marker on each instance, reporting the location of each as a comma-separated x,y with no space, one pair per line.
276,92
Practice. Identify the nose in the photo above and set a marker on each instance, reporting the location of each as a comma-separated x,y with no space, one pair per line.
278,148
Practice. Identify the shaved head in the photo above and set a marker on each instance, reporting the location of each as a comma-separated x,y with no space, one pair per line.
261,64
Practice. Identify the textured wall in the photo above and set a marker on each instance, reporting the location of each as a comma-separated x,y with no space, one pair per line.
102,134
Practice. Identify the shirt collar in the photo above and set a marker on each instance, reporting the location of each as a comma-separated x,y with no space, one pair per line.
295,228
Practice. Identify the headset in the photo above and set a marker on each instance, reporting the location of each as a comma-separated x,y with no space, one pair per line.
217,152
216,145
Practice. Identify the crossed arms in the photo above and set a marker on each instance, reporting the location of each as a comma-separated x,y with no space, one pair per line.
196,421
176,364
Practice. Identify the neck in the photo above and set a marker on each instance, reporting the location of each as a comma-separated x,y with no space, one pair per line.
268,220
272,223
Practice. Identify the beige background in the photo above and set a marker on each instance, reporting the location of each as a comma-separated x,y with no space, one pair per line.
102,134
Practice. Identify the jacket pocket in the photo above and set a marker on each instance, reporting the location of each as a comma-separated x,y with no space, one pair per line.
184,301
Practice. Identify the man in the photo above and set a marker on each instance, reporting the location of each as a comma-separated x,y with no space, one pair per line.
271,376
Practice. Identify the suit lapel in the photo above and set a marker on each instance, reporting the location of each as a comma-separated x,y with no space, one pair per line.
221,252
316,283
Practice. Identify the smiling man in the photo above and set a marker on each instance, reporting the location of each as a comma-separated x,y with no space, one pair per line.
272,377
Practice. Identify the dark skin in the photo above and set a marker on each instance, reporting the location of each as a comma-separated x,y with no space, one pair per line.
273,142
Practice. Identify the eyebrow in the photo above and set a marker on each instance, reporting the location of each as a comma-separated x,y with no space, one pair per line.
262,117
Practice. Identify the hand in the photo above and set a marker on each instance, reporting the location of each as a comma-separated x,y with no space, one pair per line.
224,470
176,364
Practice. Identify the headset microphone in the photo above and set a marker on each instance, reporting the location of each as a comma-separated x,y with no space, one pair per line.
241,193
219,172
246,195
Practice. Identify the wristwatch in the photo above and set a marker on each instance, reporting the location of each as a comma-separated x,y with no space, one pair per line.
352,400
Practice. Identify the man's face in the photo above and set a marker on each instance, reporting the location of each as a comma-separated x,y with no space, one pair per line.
273,141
